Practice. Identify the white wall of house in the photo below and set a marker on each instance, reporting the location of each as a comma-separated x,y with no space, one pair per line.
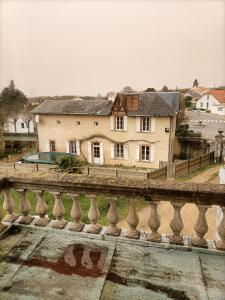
207,102
218,110
21,127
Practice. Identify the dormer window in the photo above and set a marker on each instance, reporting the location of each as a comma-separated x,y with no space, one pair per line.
96,124
58,122
78,123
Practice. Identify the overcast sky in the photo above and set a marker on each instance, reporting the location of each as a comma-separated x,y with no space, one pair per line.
62,47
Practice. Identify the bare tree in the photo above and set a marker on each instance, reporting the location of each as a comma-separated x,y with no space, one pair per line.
165,89
111,95
27,116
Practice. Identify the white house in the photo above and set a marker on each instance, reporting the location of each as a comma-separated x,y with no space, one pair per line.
20,126
213,101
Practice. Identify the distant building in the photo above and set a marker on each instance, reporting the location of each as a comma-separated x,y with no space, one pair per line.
135,130
19,127
213,101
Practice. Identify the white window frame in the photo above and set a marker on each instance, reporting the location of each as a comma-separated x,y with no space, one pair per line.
147,122
119,151
51,143
73,147
119,123
145,153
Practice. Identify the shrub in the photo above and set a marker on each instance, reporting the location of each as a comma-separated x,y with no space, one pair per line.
70,164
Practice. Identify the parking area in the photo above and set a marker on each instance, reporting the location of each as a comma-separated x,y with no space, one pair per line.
206,123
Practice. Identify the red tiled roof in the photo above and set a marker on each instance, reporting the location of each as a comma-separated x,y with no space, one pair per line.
218,94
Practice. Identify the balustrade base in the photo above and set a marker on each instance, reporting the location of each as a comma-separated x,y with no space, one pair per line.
133,234
154,237
42,221
94,228
75,226
59,224
10,218
113,231
200,243
220,245
25,219
176,240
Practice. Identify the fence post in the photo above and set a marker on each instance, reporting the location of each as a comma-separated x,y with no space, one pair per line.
14,166
37,167
88,171
116,173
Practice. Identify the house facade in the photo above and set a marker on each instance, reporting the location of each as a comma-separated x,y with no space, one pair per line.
134,130
213,101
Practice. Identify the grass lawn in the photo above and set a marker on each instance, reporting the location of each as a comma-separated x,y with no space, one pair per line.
103,205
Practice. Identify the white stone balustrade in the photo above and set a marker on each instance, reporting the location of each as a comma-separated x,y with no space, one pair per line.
153,235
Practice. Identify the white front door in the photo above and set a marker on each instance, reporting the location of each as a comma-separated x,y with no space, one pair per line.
96,153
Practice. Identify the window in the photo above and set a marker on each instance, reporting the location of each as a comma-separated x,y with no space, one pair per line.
78,123
96,124
145,124
22,125
145,153
52,146
201,105
119,123
119,151
72,147
58,122
219,108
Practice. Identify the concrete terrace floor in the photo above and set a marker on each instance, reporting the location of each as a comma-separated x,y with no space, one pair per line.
43,263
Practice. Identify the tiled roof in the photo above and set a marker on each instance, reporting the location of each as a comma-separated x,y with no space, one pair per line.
74,107
218,94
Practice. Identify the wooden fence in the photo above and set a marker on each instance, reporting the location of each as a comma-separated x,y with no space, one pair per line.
188,166
94,171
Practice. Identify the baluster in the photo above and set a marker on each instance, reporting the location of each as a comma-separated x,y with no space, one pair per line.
8,205
176,224
113,218
58,212
41,209
133,220
201,227
220,244
24,207
93,215
76,214
154,223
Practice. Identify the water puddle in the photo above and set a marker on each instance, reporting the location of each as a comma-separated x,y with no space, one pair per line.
76,259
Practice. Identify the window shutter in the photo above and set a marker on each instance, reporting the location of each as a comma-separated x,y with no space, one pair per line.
138,124
126,152
78,148
112,127
101,154
152,153
152,124
125,123
67,147
137,154
47,146
112,151
89,153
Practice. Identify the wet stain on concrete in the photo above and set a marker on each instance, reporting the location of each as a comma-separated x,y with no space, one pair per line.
170,292
76,259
